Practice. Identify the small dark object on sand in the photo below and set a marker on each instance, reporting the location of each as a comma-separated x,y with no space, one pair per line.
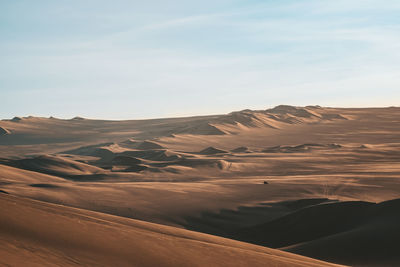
265,182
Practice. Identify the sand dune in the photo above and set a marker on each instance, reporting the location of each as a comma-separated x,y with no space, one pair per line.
101,151
355,233
307,224
212,150
125,160
230,223
241,149
300,148
154,155
147,145
11,175
54,165
262,175
35,130
371,239
47,235
4,131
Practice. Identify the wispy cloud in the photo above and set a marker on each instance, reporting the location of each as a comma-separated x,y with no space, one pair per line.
216,57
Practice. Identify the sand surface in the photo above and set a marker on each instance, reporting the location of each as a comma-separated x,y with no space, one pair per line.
248,175
52,235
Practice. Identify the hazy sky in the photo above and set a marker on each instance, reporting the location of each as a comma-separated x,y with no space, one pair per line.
159,58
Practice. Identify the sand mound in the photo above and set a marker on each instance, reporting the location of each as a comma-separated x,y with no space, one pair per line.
154,155
130,143
135,168
201,128
224,165
246,119
212,151
11,175
144,145
196,163
16,119
334,145
294,111
77,118
241,149
55,165
288,149
147,145
100,150
44,185
300,148
4,131
45,234
125,161
292,115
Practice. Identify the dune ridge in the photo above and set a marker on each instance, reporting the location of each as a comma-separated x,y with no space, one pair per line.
37,130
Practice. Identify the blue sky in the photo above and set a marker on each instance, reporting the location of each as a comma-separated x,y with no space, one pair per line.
145,59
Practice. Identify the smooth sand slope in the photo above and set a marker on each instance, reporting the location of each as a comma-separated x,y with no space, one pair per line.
41,234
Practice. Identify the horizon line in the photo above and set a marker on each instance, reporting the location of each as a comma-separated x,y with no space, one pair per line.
191,115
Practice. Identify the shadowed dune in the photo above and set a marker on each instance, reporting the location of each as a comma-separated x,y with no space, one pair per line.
356,233
54,165
135,168
4,131
48,235
154,155
212,151
241,149
45,185
11,175
125,160
229,223
16,119
101,151
147,145
370,239
300,148
307,224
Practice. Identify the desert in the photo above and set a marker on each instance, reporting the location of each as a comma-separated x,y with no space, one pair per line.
200,133
285,186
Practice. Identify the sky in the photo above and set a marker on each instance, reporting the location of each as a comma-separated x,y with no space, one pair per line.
157,58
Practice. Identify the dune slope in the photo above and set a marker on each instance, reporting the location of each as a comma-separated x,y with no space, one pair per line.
354,232
48,235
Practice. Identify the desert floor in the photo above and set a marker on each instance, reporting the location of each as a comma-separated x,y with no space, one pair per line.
261,187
